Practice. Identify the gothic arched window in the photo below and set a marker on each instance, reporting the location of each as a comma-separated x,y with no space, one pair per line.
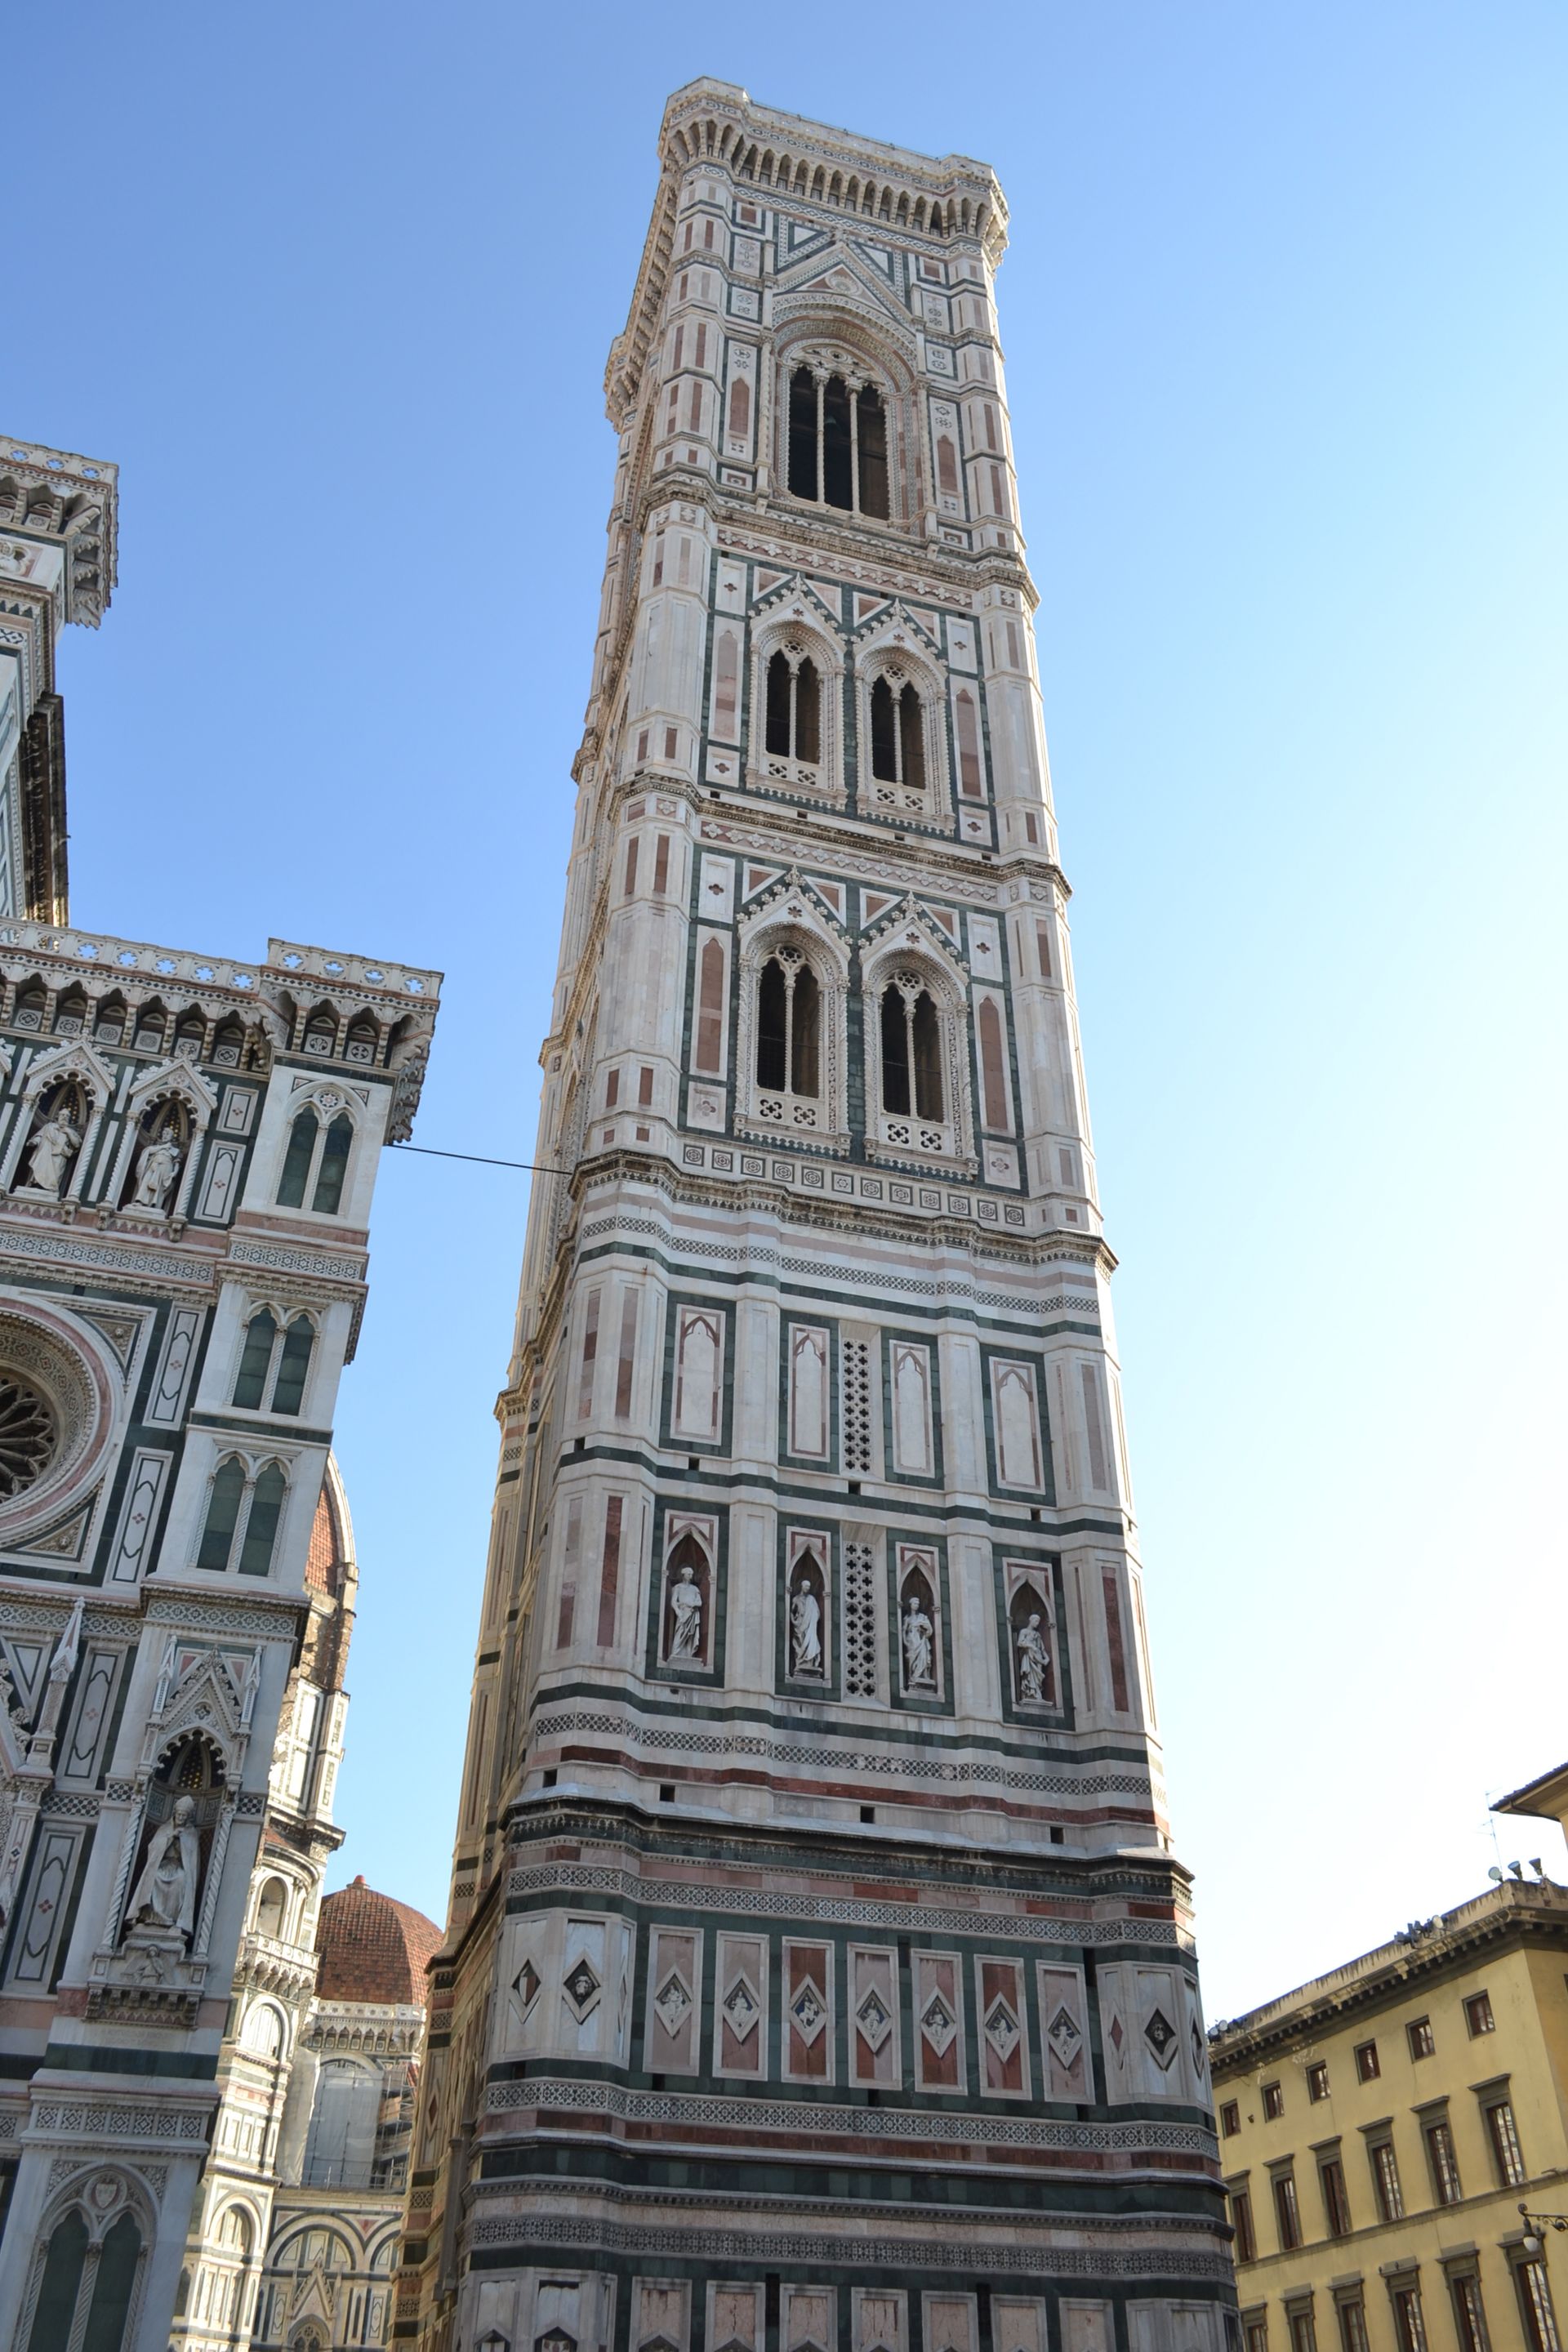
789,1025
898,735
242,1511
271,1908
261,1527
911,1050
315,1163
223,1506
297,1160
793,728
837,444
274,1365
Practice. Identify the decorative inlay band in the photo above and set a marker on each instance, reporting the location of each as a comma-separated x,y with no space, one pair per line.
773,2118
682,1895
946,2248
298,1261
75,1252
895,1764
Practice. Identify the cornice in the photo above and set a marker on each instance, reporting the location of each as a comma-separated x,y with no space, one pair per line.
719,123
1507,1915
995,1245
50,496
922,566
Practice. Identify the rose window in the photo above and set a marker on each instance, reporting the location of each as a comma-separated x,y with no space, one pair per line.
29,1432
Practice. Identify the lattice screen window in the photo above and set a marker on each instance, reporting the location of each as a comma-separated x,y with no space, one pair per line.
860,1618
856,1375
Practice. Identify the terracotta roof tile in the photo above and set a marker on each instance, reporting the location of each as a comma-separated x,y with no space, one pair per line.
373,1948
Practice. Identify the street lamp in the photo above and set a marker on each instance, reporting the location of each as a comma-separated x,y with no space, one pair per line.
1535,2228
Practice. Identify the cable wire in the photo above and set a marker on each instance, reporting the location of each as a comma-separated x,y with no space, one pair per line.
481,1159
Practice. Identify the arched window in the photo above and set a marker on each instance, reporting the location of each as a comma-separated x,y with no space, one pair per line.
316,1164
60,2285
68,2282
293,1365
223,1506
261,1527
274,1365
335,1166
245,1509
911,1050
272,1908
70,1013
256,1363
117,2266
190,1035
234,2233
740,408
297,1160
898,735
837,444
793,726
946,464
789,1025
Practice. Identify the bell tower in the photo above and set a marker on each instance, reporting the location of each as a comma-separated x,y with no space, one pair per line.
819,1975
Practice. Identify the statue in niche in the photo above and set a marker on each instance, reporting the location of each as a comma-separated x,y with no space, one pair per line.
155,1176
685,1608
919,1641
1034,1660
805,1629
164,1903
52,1148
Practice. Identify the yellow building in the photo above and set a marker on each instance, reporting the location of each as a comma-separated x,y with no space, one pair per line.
1381,2127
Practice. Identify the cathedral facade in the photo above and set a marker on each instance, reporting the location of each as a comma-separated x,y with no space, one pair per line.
819,1975
188,1149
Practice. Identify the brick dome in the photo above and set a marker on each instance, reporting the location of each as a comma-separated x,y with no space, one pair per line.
372,1948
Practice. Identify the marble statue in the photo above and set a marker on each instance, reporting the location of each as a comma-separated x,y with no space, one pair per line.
155,1176
686,1604
805,1630
165,1896
918,1653
1034,1660
52,1148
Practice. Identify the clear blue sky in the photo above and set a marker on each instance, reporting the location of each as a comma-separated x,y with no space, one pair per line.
1285,321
